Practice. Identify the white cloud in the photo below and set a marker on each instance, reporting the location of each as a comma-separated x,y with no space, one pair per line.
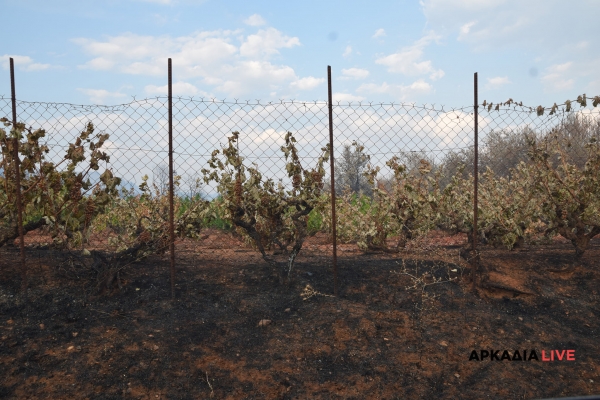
347,51
465,29
18,60
594,85
266,43
379,33
401,92
37,67
24,62
252,76
417,88
100,96
255,20
226,60
556,77
346,97
409,60
99,64
374,88
123,52
435,75
450,127
179,89
591,113
307,83
487,24
497,82
354,73
140,68
527,32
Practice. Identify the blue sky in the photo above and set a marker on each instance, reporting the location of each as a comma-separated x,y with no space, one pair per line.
106,52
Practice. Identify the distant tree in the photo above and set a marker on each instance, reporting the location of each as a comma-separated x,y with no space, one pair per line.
504,149
500,150
193,185
160,177
350,168
412,162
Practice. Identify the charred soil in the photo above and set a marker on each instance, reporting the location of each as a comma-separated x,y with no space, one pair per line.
233,332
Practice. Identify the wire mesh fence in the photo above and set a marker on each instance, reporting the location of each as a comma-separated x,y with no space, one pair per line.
138,141
366,134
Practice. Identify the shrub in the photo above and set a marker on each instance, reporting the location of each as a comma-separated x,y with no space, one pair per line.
265,213
55,195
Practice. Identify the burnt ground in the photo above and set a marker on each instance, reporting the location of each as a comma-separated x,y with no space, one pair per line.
377,340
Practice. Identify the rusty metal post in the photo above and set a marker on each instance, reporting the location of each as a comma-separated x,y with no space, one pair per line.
331,163
171,190
18,180
475,173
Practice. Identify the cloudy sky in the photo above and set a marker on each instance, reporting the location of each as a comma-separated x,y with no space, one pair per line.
106,52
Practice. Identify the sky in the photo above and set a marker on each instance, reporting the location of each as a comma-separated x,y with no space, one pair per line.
110,52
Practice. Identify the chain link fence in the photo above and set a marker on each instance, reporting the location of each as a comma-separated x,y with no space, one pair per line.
138,141
364,134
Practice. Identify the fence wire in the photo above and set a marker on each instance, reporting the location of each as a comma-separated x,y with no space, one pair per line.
138,142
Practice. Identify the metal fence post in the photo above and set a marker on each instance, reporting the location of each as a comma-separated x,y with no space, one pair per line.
171,190
331,163
18,180
475,173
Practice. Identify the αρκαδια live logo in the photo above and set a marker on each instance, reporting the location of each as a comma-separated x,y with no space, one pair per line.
522,355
